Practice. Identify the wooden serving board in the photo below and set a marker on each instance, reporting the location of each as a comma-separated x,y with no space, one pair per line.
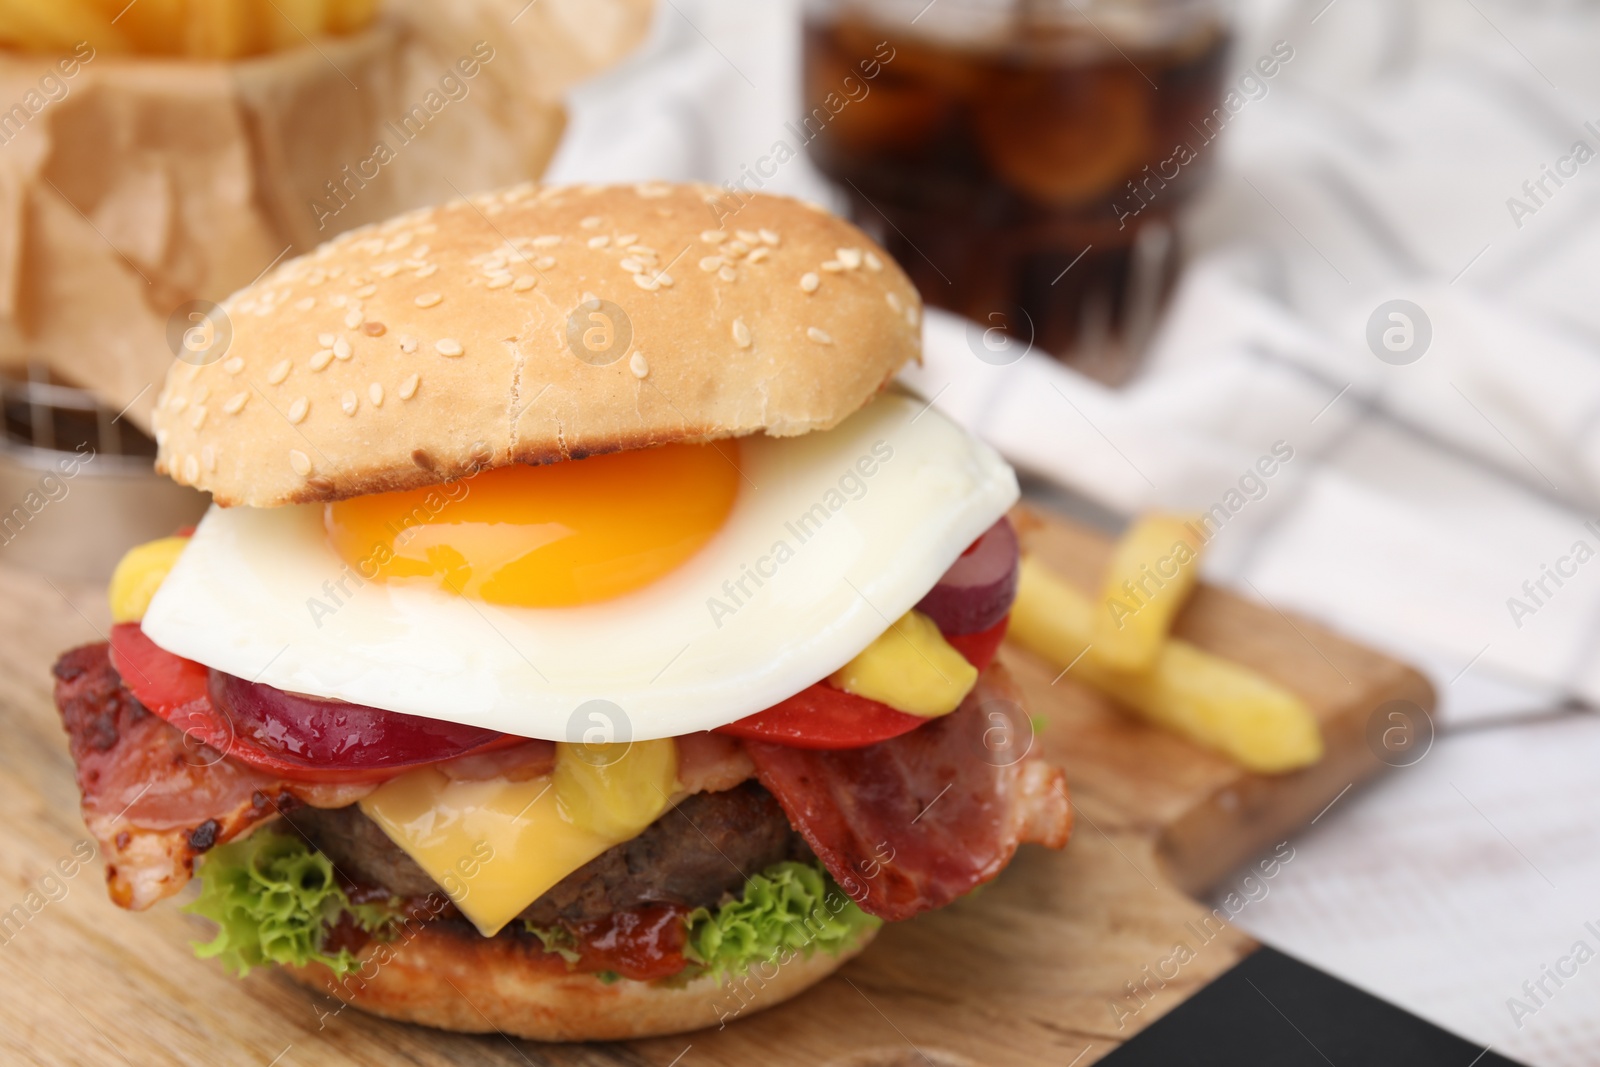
1036,969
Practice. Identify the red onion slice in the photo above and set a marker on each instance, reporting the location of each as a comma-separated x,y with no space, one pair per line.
332,735
977,591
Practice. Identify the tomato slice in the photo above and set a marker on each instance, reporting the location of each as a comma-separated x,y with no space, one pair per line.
164,683
821,716
980,648
177,690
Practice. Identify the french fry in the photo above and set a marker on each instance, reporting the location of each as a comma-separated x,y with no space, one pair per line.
195,29
1153,570
50,28
1213,702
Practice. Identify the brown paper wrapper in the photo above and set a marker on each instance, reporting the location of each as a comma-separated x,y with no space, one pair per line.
136,185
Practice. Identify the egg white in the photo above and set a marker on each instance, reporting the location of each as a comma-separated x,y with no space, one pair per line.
257,594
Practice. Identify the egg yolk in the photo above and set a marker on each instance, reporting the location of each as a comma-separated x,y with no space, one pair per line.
553,536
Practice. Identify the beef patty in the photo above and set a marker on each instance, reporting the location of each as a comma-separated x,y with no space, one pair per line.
691,856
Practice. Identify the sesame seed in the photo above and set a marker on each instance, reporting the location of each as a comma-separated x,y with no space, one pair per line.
741,333
408,344
544,263
338,300
894,301
235,403
911,314
305,303
589,298
850,257
599,242
198,418
234,365
641,250
818,336
349,402
177,404
548,240
299,462
208,456
524,282
626,239
637,364
749,237
631,265
665,279
727,273
500,281
832,266
386,270
427,270
316,277
768,237
447,346
872,261
299,409
354,319
326,340
736,248
590,223
710,263
646,282
375,394
342,350
191,469
408,388
428,300
758,255
366,291
374,329
809,281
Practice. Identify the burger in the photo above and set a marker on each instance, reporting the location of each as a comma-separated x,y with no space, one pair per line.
587,640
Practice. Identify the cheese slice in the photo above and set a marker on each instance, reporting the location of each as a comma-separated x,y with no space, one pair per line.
496,846
911,668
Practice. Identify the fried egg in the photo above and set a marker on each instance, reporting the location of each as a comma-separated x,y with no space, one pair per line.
686,586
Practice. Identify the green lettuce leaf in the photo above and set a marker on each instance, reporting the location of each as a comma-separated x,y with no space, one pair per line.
271,896
787,909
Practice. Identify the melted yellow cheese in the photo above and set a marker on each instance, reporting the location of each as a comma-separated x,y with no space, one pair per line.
139,574
911,668
497,846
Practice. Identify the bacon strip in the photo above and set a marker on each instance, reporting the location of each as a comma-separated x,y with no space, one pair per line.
156,798
153,797
912,823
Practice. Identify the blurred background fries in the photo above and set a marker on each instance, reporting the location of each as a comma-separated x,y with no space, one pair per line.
195,29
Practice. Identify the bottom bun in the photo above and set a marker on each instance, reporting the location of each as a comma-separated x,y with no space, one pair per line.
456,980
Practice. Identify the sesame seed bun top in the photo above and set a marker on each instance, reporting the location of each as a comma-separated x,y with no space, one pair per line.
533,325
